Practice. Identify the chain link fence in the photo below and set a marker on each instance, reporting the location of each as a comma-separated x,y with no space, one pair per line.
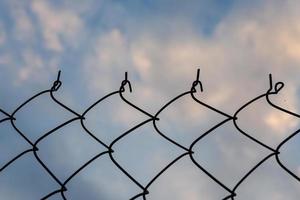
188,151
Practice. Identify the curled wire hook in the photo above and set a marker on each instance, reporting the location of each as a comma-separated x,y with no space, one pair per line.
124,82
56,85
278,85
196,82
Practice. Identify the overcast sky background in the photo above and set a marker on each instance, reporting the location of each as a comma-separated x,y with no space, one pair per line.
161,44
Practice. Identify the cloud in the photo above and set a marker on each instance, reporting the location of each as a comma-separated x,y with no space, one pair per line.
275,122
5,59
141,62
235,61
58,25
107,57
161,55
34,68
2,34
24,29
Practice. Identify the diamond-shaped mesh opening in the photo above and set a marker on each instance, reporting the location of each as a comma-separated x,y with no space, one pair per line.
269,181
218,152
101,180
184,180
67,149
185,120
27,177
289,154
39,116
111,117
266,124
11,143
144,153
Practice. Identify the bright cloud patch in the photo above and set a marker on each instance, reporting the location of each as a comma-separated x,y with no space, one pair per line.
57,24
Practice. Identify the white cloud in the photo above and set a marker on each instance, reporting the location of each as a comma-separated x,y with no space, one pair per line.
264,33
235,62
34,68
275,121
24,29
58,25
110,45
108,58
142,62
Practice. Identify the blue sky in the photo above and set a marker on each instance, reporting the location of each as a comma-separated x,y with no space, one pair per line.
161,44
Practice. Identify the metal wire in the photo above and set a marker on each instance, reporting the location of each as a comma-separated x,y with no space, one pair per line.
188,150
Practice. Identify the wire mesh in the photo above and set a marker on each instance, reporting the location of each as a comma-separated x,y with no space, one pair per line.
188,151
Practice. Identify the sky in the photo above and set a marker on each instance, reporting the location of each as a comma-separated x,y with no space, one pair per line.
236,45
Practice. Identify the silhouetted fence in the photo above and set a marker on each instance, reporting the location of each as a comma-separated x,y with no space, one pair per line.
188,150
